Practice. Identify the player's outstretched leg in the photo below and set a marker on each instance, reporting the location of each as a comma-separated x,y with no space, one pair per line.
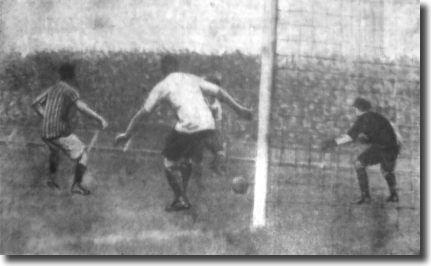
218,165
363,183
80,169
54,160
217,146
392,184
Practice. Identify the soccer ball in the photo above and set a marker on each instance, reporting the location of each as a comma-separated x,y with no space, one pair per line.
239,185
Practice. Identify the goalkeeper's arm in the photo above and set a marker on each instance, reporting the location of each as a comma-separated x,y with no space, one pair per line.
336,142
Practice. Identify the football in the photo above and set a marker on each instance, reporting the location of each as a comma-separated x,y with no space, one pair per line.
240,185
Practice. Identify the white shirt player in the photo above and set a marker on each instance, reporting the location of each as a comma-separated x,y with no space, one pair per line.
185,93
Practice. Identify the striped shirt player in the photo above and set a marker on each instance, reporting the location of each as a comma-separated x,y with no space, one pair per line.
59,101
185,94
58,106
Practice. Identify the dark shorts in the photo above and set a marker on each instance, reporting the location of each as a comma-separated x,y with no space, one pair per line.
213,142
180,145
385,156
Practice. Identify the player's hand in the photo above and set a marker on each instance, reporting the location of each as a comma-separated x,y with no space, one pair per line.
121,139
328,144
246,113
103,123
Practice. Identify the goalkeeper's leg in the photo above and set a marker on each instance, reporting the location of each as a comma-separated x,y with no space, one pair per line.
387,168
363,182
370,156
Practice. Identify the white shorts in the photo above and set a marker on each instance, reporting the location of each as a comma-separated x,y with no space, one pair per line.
71,145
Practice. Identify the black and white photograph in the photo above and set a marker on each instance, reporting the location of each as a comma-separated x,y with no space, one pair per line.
211,127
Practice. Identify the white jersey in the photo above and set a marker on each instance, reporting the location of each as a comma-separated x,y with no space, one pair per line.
185,93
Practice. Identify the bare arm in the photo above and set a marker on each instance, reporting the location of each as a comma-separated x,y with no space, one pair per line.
139,116
83,107
238,108
37,104
39,109
214,90
122,138
147,108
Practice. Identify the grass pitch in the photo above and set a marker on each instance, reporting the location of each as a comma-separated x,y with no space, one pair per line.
309,211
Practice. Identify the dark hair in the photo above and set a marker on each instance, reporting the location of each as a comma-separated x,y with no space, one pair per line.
362,104
215,78
66,71
169,63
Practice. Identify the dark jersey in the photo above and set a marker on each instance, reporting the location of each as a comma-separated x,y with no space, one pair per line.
59,101
376,128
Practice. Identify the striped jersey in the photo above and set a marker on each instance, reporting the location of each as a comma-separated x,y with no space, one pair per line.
59,105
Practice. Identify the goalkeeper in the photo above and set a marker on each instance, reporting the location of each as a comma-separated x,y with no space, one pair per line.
383,143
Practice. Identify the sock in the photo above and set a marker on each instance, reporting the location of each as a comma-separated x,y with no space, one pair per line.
53,164
363,181
392,183
174,181
52,168
79,173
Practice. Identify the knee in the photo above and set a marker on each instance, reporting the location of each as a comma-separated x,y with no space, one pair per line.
182,167
168,164
171,166
222,153
359,165
185,167
197,160
82,159
387,174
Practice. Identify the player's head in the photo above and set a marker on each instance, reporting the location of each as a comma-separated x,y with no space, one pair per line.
67,71
215,78
361,105
168,64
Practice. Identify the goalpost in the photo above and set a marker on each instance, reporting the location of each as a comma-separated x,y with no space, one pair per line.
265,89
